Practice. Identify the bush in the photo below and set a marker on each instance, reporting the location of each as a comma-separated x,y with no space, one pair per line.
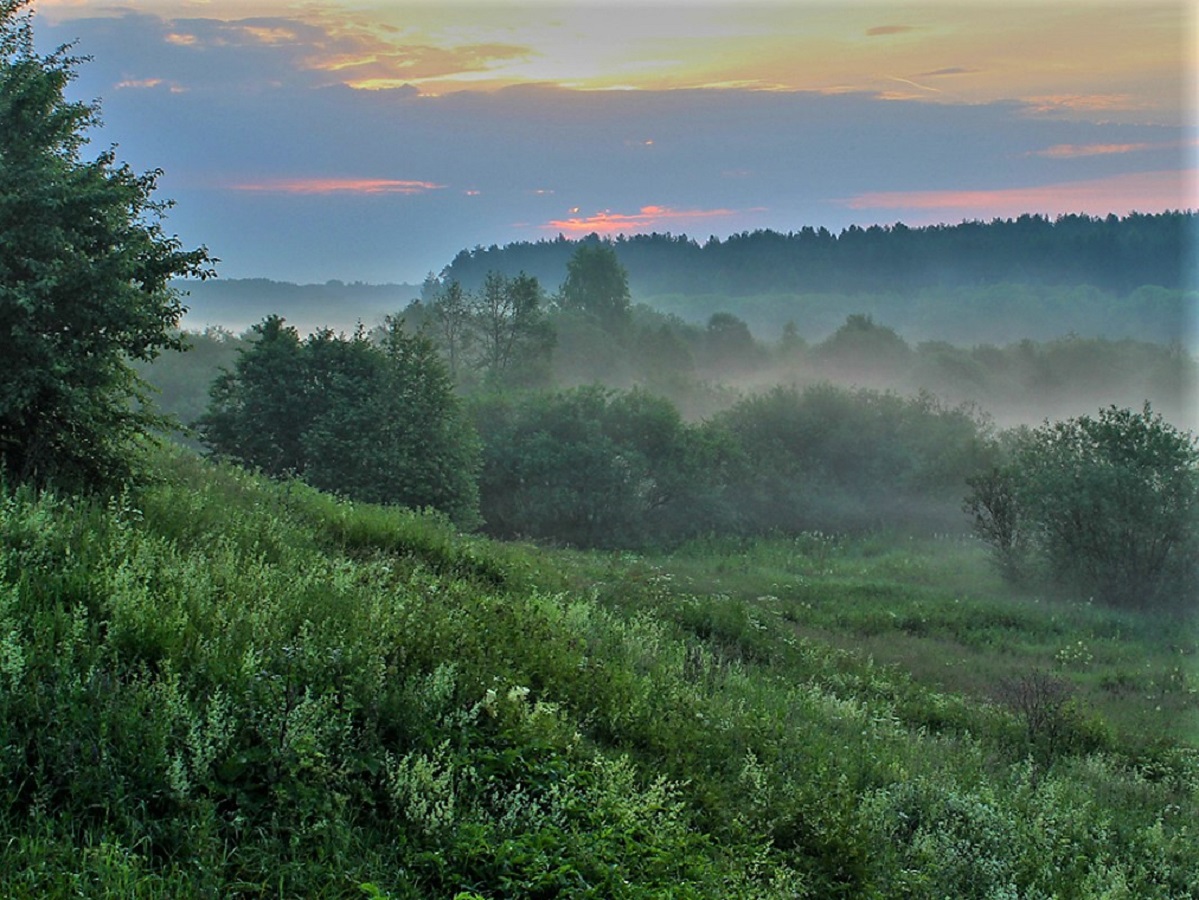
831,459
1104,506
593,467
373,422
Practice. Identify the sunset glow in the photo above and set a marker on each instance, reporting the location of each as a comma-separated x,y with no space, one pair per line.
1121,194
511,121
647,219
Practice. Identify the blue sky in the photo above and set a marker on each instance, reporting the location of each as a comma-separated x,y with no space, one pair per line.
372,141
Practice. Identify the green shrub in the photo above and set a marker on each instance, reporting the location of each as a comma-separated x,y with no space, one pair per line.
1106,506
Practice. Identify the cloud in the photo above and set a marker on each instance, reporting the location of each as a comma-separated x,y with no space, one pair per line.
390,66
138,83
881,30
951,70
1073,151
1057,103
337,186
647,219
1136,191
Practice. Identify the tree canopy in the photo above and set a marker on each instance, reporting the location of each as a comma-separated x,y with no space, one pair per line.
85,277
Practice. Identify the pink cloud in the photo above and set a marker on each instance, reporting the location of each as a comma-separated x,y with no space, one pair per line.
338,186
647,219
1137,191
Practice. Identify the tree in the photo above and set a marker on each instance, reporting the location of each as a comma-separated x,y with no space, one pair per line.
86,275
451,324
377,422
1106,506
514,338
258,412
597,285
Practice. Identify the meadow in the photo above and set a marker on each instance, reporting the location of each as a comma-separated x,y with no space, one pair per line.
218,685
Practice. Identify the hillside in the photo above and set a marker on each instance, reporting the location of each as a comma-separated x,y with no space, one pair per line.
219,686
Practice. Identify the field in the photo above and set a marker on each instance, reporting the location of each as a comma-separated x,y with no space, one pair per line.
219,686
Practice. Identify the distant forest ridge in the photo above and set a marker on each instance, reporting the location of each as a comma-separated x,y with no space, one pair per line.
1116,254
998,282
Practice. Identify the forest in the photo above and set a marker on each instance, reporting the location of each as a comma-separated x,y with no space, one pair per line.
529,588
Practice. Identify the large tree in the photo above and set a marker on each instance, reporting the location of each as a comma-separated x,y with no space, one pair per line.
86,275
598,285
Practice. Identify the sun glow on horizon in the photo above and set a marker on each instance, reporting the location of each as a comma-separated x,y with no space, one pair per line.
648,218
1143,192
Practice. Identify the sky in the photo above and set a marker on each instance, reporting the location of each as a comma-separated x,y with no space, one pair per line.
364,140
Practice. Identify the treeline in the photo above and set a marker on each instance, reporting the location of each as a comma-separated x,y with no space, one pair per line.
1116,254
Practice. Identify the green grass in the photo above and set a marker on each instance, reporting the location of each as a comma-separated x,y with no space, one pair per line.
935,609
218,686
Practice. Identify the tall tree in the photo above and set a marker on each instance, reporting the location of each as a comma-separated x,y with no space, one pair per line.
598,285
86,275
514,338
451,322
260,410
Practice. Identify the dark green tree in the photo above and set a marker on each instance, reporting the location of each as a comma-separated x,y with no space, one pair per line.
373,421
86,275
593,467
597,285
451,322
259,411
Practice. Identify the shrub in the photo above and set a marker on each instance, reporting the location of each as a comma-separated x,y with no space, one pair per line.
1105,506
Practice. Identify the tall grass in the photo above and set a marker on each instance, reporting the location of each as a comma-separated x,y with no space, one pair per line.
219,686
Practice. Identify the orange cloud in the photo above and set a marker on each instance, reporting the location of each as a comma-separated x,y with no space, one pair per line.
271,35
881,30
1138,191
647,219
339,186
373,64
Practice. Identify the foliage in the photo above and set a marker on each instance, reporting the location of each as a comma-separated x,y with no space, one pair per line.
1107,506
258,689
593,467
85,277
1118,254
373,421
597,285
829,458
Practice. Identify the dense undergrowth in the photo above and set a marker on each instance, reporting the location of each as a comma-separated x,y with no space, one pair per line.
214,685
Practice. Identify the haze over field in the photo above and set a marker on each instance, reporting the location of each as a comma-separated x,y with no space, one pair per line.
372,141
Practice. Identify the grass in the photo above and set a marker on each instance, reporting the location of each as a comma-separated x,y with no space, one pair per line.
934,609
218,686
